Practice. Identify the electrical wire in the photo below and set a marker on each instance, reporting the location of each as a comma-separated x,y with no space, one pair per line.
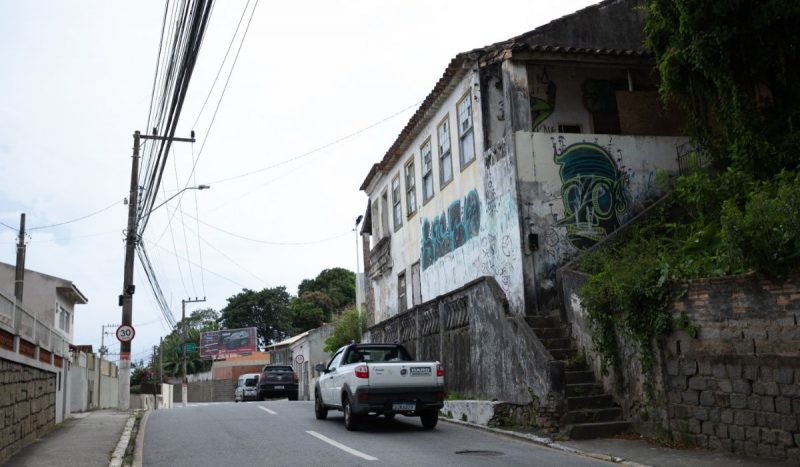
76,219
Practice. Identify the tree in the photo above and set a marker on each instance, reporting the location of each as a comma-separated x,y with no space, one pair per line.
731,65
348,328
267,311
337,283
305,315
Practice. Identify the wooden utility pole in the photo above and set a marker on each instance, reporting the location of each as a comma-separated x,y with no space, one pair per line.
19,277
128,288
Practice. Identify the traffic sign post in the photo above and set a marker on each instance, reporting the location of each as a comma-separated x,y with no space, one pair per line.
125,333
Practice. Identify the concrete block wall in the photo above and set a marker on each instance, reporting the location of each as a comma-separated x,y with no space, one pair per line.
736,387
27,405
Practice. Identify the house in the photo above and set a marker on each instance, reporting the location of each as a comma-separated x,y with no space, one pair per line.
525,153
35,334
304,351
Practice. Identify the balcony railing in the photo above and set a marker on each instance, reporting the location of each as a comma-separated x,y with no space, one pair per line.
16,319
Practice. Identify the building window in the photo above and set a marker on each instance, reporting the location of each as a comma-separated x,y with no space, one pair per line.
397,210
445,159
401,292
411,188
376,225
466,137
385,213
427,170
569,128
63,318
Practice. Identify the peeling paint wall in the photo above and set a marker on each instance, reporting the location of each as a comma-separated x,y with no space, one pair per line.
578,188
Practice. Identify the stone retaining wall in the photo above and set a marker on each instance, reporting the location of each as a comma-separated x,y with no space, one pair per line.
733,387
27,405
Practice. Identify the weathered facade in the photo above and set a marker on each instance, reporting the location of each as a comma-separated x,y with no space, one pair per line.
525,152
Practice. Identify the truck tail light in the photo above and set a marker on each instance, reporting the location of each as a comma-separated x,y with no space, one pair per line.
439,370
363,397
362,371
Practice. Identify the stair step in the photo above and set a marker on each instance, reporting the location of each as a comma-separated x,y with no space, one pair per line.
599,401
543,321
563,354
577,377
556,342
596,430
551,332
584,389
593,415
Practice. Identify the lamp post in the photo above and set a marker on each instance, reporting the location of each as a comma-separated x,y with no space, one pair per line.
198,187
355,229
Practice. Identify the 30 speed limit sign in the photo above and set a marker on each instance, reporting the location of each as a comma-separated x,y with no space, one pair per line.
125,333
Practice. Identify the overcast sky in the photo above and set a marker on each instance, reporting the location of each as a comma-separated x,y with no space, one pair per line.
75,82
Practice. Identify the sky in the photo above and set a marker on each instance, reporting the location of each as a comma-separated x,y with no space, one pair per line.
320,87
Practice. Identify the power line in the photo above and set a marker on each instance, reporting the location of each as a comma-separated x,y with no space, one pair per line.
320,148
76,219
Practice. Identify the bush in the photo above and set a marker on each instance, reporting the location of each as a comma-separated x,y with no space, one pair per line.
766,230
348,328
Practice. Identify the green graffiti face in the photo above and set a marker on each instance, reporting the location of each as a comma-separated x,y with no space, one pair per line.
593,192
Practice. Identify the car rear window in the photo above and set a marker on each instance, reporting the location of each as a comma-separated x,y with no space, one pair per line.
277,369
250,382
378,354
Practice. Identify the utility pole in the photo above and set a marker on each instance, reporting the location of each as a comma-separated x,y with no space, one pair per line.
103,351
185,385
19,278
128,288
355,229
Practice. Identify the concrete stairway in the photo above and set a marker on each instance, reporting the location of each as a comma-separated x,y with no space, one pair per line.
590,412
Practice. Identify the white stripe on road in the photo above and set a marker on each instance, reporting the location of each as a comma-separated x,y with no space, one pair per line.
341,446
268,410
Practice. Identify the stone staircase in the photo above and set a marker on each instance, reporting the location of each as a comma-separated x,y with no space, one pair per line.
590,411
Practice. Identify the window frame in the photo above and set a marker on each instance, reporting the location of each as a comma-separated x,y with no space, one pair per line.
402,301
397,202
427,143
410,190
467,97
449,153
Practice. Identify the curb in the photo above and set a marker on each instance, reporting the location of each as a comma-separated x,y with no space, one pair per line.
548,442
138,452
118,457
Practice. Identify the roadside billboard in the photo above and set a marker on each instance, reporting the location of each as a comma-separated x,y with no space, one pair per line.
215,344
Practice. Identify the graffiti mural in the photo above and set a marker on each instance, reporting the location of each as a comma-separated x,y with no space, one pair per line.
450,230
594,193
543,98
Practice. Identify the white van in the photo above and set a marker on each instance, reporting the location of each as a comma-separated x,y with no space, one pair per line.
246,387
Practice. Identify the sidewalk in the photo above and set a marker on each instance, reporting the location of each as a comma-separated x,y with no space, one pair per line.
84,440
639,453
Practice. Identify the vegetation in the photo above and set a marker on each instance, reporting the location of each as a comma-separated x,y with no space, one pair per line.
728,65
349,327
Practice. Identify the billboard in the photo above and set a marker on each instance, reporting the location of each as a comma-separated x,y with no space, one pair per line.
216,344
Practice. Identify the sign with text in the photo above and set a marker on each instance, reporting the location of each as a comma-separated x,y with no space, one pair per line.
215,344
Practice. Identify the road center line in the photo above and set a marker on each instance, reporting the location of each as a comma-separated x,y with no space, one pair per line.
341,446
269,411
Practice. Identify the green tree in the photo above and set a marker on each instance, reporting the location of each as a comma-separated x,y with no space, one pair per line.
305,315
337,283
349,327
267,311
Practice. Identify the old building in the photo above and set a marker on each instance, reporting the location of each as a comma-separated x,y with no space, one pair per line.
525,152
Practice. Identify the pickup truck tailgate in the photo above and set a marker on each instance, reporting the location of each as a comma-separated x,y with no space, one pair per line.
403,374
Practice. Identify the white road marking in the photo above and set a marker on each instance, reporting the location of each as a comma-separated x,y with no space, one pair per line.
341,446
269,411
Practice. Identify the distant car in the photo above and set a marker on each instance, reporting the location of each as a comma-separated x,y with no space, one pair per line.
246,388
277,381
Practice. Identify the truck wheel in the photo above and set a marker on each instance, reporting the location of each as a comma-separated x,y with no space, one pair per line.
319,409
429,419
351,420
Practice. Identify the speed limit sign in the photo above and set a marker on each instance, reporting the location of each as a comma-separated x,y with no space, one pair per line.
125,333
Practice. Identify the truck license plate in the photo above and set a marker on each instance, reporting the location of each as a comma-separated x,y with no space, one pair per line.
278,387
404,406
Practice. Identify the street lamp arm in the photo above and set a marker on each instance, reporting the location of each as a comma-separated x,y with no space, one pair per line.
198,187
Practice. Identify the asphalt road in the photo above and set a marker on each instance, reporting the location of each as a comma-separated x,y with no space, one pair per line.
278,433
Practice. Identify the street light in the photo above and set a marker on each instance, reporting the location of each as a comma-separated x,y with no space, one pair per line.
355,229
198,187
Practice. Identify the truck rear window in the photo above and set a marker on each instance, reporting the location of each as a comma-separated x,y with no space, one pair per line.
277,369
378,354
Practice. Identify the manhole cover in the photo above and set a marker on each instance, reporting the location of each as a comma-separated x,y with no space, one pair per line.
478,452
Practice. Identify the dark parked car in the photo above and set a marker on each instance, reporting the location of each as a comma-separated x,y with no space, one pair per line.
277,381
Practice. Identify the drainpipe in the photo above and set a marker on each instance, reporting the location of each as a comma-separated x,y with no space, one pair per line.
19,277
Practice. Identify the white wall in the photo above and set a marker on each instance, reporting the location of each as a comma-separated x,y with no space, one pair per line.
550,163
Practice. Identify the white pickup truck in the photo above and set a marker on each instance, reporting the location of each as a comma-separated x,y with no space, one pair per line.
380,379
